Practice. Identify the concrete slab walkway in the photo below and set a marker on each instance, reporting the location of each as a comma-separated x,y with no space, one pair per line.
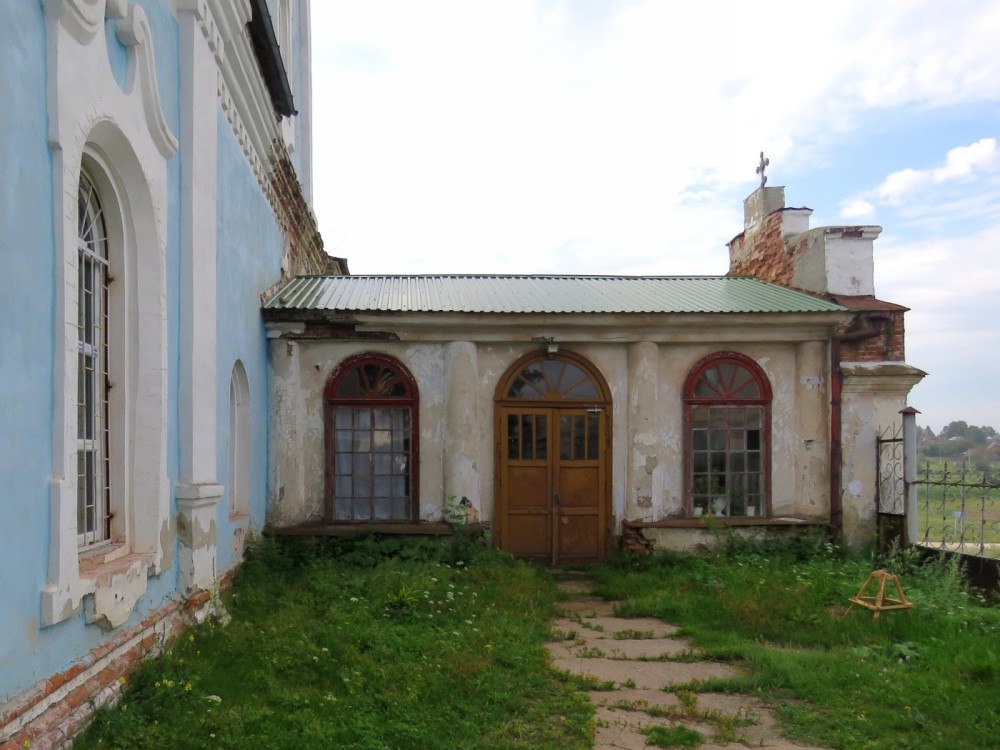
630,660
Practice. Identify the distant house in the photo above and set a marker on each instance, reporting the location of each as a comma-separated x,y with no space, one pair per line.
563,409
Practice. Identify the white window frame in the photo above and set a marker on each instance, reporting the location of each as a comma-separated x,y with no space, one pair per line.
93,441
119,137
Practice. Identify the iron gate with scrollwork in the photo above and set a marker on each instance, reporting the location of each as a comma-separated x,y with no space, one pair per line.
890,490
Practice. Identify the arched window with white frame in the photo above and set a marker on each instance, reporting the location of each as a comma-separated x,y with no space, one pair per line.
93,384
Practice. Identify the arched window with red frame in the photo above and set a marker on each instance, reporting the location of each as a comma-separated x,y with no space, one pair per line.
370,405
727,420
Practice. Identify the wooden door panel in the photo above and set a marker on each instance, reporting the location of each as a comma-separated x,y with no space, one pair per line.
527,486
579,538
579,486
529,535
552,477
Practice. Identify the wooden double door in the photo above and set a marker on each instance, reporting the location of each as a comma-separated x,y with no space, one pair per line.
553,470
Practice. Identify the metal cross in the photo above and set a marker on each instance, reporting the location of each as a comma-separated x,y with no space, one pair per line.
761,167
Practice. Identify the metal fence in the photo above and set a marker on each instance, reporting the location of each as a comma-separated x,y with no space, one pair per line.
958,509
890,492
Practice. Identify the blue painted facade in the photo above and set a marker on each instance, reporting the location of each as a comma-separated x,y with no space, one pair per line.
252,253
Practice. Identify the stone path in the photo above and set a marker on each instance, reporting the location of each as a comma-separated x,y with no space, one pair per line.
629,662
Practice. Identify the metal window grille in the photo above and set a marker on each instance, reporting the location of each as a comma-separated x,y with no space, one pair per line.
727,460
372,463
93,487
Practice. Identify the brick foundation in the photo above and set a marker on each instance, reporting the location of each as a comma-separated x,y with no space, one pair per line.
51,712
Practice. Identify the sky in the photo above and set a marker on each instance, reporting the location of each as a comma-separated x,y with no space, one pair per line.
621,136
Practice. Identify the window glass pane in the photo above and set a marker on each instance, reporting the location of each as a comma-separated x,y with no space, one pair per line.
362,463
342,509
585,389
382,419
513,436
717,440
343,440
344,463
552,370
362,485
754,417
381,486
593,436
349,386
382,509
753,440
541,437
399,463
399,487
381,441
528,436
699,440
342,418
400,508
343,486
700,461
717,462
362,510
382,463
362,442
579,438
565,438
362,418
699,417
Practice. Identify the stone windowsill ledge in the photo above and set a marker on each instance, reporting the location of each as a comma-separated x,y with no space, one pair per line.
706,522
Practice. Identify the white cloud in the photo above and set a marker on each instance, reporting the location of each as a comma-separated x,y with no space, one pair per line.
856,208
621,136
960,163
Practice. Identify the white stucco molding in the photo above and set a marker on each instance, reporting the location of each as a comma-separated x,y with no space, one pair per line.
124,135
242,91
81,18
133,32
880,377
609,327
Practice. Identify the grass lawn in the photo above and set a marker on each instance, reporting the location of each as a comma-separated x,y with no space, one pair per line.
365,644
925,679
385,644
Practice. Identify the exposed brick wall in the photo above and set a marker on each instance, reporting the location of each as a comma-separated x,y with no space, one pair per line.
887,345
760,252
49,714
303,243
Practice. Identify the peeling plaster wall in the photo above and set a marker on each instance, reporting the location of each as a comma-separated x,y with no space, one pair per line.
457,381
873,395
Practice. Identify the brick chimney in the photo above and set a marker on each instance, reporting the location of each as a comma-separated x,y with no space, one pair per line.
777,245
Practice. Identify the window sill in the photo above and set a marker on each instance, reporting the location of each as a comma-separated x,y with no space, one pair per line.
116,580
420,528
706,522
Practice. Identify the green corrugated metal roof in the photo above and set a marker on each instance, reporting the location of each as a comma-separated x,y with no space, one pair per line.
543,294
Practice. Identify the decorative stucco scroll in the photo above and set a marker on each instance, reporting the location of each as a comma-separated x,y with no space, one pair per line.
133,32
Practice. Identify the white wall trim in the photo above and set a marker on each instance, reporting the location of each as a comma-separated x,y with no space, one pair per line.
124,133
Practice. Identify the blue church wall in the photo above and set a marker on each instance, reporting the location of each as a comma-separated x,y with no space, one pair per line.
248,261
35,299
26,335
